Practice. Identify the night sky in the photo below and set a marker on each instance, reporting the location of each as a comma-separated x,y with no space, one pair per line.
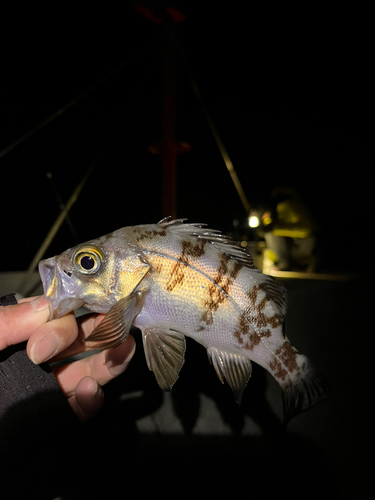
290,94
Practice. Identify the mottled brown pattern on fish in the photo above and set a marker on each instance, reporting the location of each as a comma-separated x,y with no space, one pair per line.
177,276
148,234
284,361
217,290
246,336
258,317
193,249
236,269
188,249
273,292
158,267
223,266
254,315
243,328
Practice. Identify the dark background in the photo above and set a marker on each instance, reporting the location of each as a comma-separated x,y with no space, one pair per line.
290,93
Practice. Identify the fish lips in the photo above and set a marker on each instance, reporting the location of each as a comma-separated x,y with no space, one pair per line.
58,289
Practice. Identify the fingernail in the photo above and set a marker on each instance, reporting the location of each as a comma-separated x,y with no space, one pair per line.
45,348
40,303
99,394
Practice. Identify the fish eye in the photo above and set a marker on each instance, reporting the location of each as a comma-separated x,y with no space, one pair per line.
88,260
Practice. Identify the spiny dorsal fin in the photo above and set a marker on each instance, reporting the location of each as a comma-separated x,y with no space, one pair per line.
220,241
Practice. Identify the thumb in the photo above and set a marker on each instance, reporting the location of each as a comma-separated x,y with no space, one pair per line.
17,322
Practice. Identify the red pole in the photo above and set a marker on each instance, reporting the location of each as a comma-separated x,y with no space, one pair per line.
168,148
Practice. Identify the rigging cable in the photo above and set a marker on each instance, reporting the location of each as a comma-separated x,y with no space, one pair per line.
215,133
74,101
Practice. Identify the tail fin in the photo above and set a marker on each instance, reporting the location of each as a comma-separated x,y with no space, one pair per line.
308,388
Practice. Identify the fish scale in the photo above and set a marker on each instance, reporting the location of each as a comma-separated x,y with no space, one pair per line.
174,280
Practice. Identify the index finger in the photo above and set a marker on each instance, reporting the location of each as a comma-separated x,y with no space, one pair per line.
86,325
17,322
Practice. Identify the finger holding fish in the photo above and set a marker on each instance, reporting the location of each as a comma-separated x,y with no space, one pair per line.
87,398
102,366
61,338
80,380
51,338
18,320
86,324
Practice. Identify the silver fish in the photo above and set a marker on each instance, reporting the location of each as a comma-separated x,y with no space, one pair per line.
173,279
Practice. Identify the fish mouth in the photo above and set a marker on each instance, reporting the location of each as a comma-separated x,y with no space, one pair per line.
56,291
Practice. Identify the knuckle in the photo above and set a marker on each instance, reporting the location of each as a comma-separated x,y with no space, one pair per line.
6,326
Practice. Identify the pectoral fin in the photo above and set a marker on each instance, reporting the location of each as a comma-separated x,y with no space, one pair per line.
115,327
165,354
234,368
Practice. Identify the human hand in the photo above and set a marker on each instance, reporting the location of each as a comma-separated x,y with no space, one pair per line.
51,341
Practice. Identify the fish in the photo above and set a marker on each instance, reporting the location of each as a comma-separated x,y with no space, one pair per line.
176,279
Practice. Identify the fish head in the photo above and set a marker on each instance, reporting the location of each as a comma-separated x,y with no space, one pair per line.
94,275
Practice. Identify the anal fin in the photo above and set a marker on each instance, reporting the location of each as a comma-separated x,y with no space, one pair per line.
165,354
234,368
115,327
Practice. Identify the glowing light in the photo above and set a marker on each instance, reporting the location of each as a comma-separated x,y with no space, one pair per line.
253,221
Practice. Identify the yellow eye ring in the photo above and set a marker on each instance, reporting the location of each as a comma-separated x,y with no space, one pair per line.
88,260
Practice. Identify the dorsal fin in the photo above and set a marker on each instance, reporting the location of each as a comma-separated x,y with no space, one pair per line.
220,241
